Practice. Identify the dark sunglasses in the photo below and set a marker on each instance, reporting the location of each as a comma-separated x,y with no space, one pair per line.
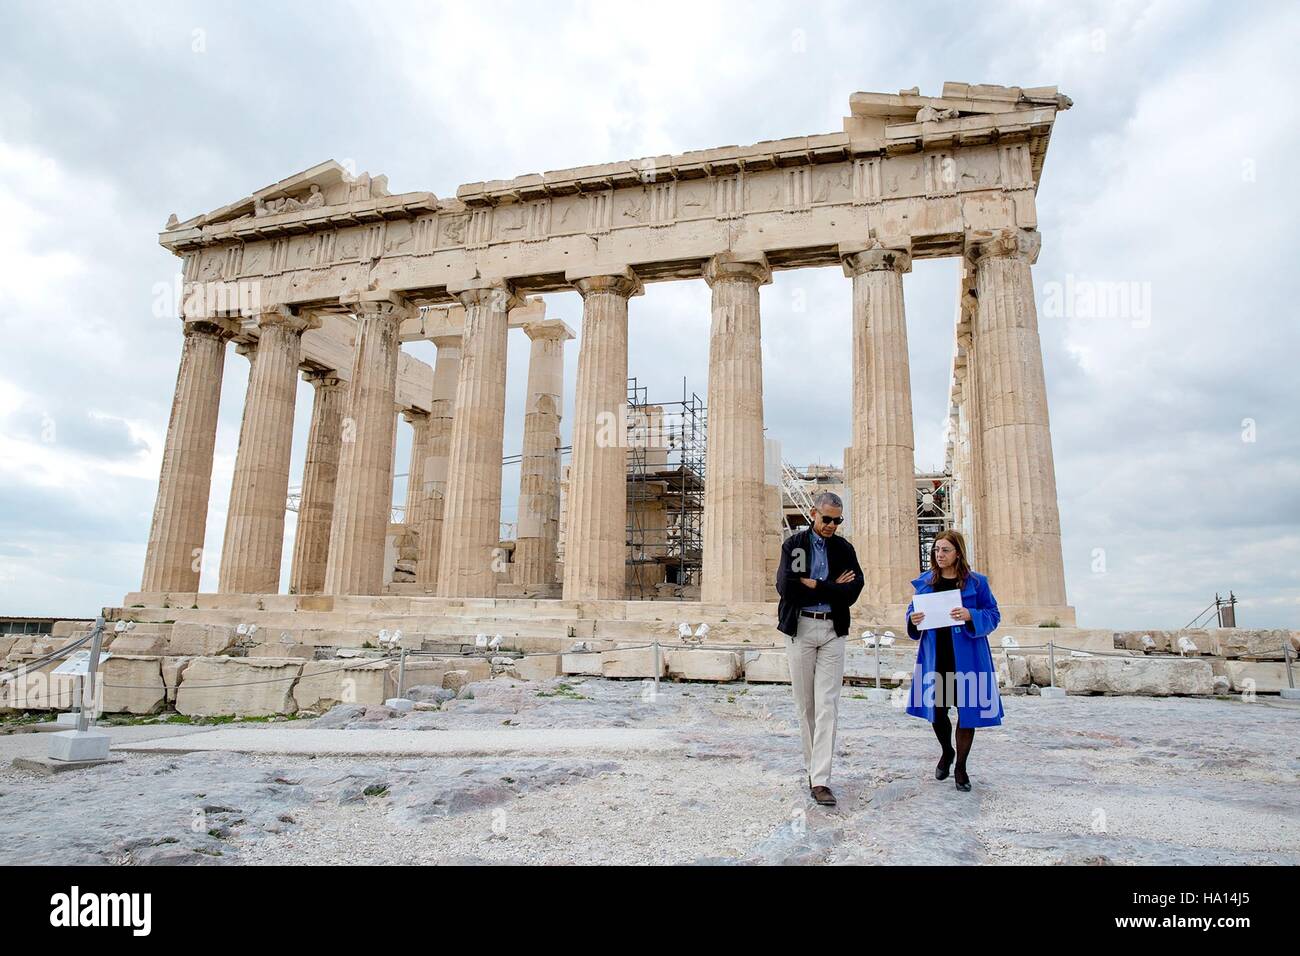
826,520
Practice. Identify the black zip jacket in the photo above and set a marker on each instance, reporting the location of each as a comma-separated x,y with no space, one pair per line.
796,563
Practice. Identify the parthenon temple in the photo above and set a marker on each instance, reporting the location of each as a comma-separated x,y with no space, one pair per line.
327,274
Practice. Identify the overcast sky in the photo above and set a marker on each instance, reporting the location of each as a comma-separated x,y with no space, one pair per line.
1174,421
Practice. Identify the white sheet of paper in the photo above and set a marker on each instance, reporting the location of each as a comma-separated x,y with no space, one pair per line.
937,607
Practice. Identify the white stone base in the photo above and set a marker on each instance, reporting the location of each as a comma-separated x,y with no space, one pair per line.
79,745
1052,693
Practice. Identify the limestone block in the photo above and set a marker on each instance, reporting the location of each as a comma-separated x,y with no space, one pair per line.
299,651
455,680
432,670
767,667
700,663
133,684
239,686
38,689
1040,670
325,684
636,662
1267,677
542,667
148,645
1013,671
6,644
1153,677
1257,644
190,639
21,648
172,670
584,663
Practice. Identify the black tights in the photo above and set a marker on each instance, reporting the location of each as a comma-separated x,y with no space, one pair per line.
965,737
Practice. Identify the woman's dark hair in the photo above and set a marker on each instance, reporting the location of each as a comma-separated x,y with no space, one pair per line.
963,569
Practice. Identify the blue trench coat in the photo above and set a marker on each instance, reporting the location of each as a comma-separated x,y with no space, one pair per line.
971,657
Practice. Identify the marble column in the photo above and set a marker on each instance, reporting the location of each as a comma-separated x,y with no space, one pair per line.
883,475
446,372
595,542
175,550
469,554
419,422
254,542
1020,536
363,499
311,546
734,557
539,469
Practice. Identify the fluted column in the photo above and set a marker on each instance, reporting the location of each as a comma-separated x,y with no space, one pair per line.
595,543
883,474
1020,535
175,550
419,422
311,546
734,559
254,542
468,557
539,471
446,372
363,499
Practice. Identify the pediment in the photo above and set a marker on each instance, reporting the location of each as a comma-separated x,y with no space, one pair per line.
323,185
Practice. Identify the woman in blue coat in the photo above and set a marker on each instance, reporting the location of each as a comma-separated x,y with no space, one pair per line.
954,666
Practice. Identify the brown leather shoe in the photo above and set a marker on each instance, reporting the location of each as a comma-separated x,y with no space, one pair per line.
823,796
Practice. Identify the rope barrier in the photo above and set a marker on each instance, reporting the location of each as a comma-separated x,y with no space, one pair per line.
359,663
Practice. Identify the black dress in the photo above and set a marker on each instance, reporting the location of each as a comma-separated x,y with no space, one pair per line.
945,664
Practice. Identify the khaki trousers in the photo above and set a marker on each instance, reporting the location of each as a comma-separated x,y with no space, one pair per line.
816,658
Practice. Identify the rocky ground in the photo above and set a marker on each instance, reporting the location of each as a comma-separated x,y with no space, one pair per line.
1085,780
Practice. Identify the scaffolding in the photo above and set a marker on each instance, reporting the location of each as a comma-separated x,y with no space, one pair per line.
665,491
933,511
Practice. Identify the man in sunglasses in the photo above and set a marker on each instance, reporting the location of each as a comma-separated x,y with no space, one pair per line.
818,579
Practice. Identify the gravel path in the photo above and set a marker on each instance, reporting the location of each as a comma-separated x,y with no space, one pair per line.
1084,780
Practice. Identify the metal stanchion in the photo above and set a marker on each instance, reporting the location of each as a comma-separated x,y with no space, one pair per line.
83,746
400,702
877,694
1051,692
658,667
1289,692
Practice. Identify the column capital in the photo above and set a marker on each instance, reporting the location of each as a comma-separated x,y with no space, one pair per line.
415,415
384,302
1005,244
452,340
287,317
875,255
625,283
322,378
742,268
497,294
548,329
221,328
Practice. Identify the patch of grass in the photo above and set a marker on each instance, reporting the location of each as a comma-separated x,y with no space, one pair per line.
376,790
563,690
1052,623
